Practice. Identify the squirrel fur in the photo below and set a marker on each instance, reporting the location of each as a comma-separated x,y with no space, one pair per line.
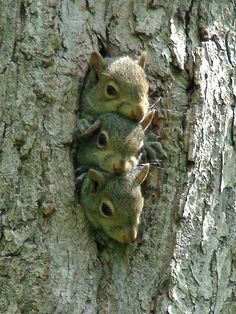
111,137
126,81
116,145
113,204
116,85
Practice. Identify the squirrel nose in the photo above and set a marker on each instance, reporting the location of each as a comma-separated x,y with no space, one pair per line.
138,112
129,236
119,167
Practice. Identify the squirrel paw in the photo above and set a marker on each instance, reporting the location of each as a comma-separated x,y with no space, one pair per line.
79,177
87,127
152,150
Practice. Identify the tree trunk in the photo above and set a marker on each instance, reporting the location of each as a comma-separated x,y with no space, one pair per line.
184,258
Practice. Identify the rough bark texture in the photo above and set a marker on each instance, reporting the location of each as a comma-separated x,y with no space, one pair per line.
184,258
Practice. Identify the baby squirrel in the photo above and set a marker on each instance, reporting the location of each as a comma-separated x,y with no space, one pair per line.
116,144
113,204
114,85
114,111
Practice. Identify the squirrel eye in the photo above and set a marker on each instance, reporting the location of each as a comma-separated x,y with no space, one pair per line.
111,91
106,210
102,140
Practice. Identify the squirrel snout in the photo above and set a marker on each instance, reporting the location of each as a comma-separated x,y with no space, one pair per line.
125,235
129,236
139,112
120,167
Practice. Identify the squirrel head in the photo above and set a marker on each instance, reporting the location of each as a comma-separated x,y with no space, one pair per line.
114,204
116,146
121,85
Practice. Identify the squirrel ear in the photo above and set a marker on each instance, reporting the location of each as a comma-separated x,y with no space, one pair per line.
142,61
96,61
97,178
147,120
141,176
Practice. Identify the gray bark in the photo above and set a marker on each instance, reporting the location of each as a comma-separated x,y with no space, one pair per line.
184,258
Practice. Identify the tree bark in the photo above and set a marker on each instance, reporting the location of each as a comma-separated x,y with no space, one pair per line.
184,258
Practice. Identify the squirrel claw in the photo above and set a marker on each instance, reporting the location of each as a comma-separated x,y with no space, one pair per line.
152,150
87,127
79,177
